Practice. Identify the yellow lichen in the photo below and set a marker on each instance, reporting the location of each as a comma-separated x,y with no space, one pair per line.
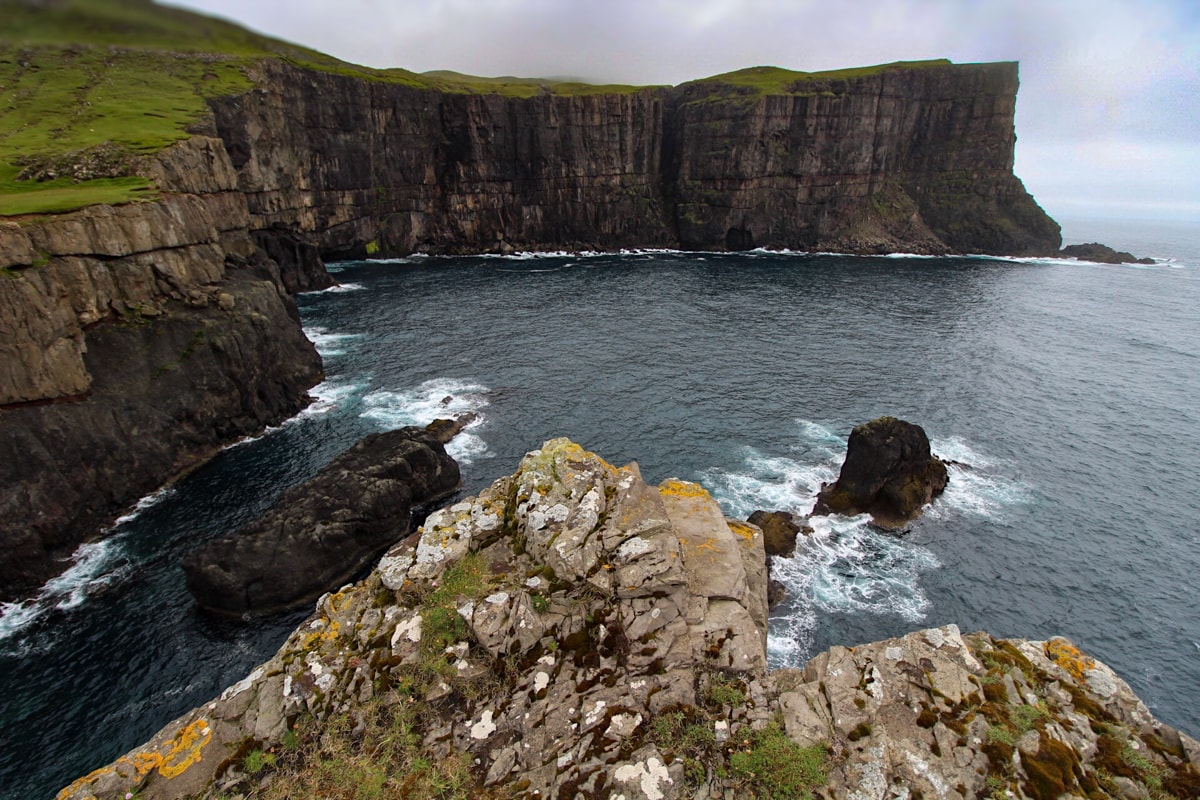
172,759
743,530
1069,657
673,487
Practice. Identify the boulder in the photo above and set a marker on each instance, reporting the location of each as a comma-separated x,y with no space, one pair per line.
779,531
888,473
1102,254
321,533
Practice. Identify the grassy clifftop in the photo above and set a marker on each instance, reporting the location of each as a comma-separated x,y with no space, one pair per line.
88,88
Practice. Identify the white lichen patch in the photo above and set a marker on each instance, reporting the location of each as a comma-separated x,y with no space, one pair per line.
623,725
893,653
485,727
244,684
540,681
393,568
650,775
498,598
721,730
409,629
632,548
593,716
540,518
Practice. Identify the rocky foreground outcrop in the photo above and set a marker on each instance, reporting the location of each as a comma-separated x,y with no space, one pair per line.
889,473
573,632
326,530
134,342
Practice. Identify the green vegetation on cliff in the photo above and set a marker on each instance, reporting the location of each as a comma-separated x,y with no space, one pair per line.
88,87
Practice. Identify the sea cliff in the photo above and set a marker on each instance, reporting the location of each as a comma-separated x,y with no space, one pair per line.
905,157
137,338
572,631
136,341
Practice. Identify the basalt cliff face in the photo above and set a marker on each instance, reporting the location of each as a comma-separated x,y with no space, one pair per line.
137,339
904,158
134,341
572,632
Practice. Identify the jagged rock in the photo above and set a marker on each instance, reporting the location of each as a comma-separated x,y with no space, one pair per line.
889,473
779,531
635,667
1102,254
322,532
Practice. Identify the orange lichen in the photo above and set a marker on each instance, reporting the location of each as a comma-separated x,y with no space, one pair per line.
1069,657
314,638
743,530
673,487
173,758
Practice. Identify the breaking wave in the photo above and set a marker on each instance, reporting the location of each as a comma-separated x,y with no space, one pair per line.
433,399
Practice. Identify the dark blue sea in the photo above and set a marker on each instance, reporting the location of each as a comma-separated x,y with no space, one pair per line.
1066,391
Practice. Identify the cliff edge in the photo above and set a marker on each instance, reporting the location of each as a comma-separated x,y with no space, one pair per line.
572,631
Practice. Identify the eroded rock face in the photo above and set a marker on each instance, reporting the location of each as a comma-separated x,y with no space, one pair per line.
574,630
889,473
964,716
135,341
903,159
324,531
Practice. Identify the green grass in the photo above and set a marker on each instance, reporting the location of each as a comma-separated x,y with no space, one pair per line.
776,768
754,82
77,74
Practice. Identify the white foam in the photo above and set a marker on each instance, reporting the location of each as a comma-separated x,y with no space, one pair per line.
327,396
146,502
342,287
434,399
977,486
93,565
329,344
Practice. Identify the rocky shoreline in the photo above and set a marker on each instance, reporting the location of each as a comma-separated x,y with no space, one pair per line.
573,631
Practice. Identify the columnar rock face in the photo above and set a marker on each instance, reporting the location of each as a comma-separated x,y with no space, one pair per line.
573,631
133,342
358,162
326,530
908,158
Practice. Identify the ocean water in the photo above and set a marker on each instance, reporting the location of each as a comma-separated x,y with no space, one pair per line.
1065,390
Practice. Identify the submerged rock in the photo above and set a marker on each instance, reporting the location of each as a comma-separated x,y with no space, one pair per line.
888,473
573,631
323,532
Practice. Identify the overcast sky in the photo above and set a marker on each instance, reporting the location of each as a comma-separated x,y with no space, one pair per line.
1108,115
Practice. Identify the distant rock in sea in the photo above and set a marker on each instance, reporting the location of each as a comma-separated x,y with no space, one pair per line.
1102,254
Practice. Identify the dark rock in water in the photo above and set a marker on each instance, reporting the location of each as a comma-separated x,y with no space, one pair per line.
1102,254
779,531
776,593
321,533
889,473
